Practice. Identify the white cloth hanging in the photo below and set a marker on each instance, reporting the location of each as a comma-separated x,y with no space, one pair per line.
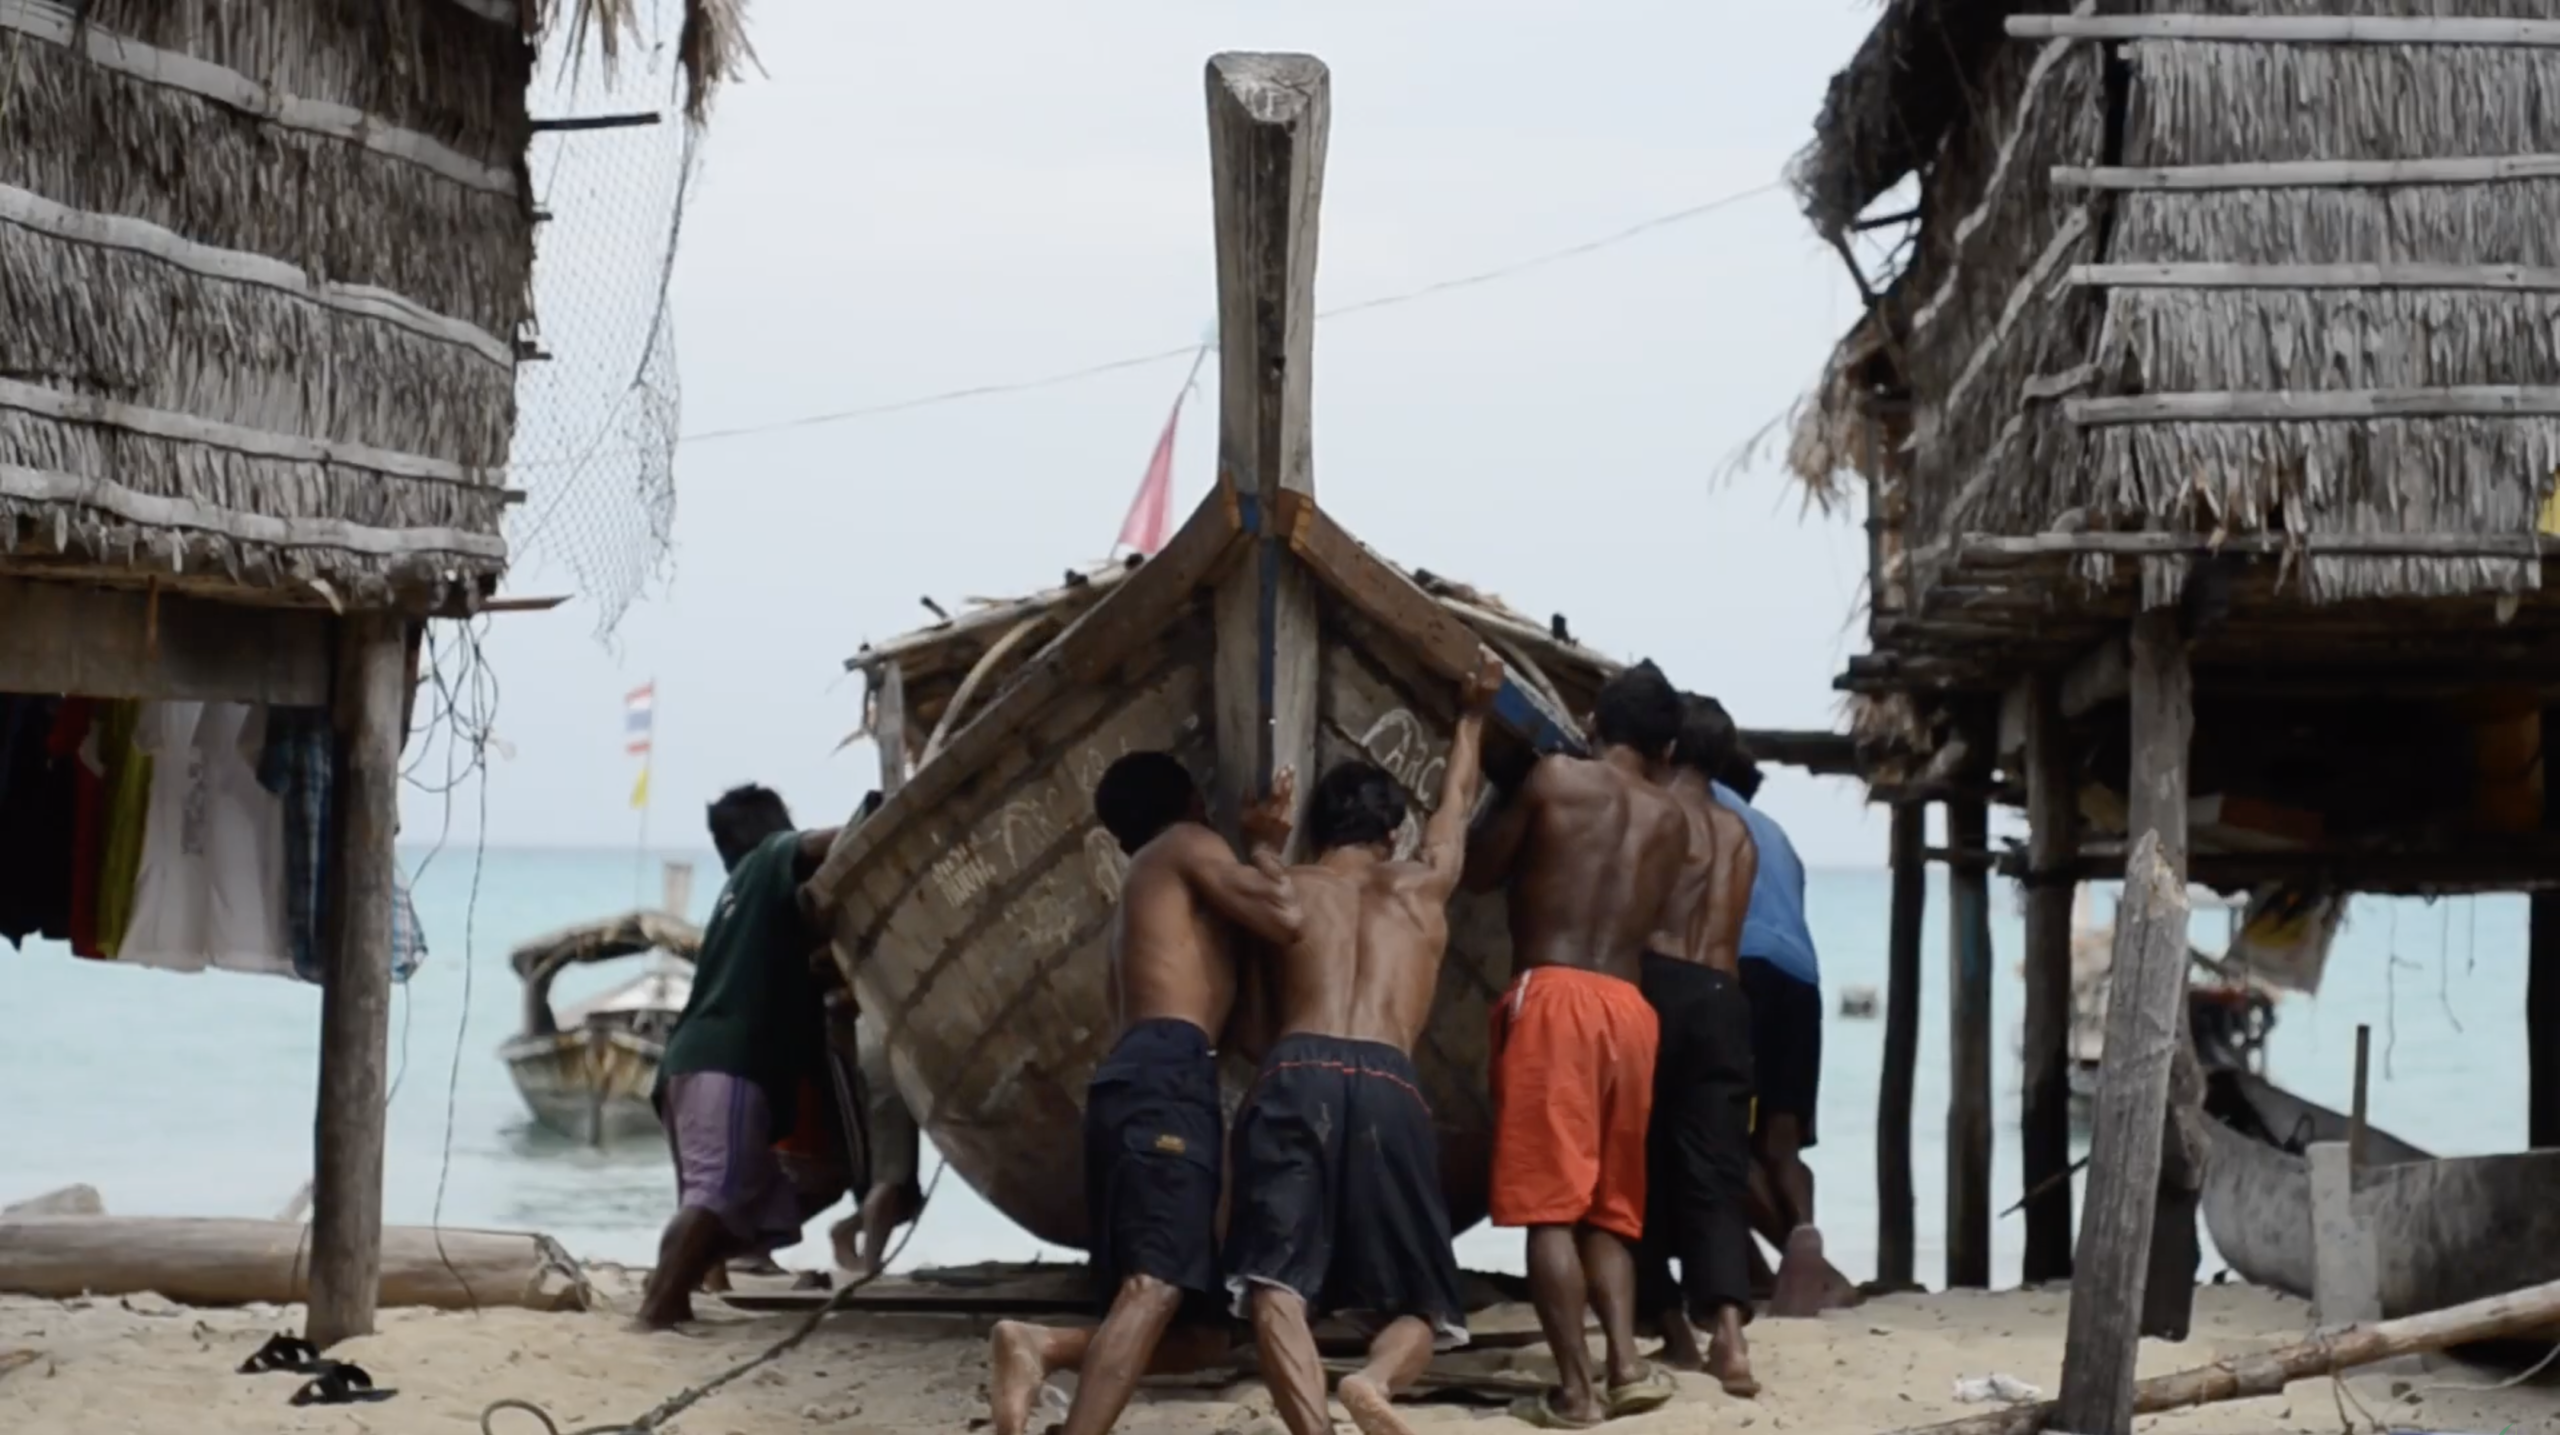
211,887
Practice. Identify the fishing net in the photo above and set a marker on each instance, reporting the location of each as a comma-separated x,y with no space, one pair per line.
597,412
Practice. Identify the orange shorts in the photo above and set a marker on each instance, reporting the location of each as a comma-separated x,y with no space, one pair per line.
1572,1093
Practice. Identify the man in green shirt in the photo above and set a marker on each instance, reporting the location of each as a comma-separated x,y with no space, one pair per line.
752,1032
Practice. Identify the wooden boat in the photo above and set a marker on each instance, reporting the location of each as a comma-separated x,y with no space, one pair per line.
972,912
2448,1229
586,1072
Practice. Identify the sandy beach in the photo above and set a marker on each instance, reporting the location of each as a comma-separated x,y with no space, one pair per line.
147,1366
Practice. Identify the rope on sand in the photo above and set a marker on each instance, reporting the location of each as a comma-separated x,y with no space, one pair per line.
685,1399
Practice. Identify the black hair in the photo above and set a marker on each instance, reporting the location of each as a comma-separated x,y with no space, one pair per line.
1141,795
870,804
743,818
1742,775
1708,739
1357,805
1639,709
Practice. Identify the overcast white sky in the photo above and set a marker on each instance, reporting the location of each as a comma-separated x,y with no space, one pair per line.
920,198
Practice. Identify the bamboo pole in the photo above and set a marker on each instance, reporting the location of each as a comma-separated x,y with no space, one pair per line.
1895,1261
2530,1311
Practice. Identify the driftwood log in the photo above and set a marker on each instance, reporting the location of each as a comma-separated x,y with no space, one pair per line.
226,1263
2532,1311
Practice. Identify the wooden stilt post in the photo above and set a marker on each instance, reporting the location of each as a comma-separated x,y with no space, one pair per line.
1969,1046
355,1003
2542,976
1895,1265
2044,1120
1268,117
2148,988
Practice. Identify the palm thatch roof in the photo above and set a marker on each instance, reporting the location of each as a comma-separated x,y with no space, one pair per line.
264,270
2224,273
952,669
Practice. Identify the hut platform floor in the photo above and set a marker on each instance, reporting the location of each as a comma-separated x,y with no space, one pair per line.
139,1364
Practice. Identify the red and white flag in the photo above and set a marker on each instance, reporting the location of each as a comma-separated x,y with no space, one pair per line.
1150,519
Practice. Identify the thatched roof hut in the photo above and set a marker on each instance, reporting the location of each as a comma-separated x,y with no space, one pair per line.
2255,273
2251,306
263,270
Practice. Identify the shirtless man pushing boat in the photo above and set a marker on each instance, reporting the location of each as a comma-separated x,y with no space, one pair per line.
1154,1138
1590,849
1699,1176
1337,1168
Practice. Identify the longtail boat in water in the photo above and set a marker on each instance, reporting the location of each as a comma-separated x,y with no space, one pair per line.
586,1072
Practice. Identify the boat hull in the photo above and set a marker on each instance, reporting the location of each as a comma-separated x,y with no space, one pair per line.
588,1085
2447,1230
979,924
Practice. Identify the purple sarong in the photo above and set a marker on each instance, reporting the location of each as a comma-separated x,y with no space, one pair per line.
721,1127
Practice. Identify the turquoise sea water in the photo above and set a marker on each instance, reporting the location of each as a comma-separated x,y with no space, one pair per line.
192,1095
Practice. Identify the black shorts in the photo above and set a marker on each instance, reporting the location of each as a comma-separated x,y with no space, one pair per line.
1786,1043
1338,1188
1154,1134
1698,1150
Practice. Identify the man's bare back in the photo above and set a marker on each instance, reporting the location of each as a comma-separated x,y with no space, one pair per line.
1592,851
1702,922
1372,929
1172,944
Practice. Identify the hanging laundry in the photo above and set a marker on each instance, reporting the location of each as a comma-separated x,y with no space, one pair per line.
299,766
73,741
126,819
211,886
35,821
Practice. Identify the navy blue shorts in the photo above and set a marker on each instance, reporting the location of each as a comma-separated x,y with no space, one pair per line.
1154,1136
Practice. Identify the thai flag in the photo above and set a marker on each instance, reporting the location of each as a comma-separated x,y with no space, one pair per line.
639,710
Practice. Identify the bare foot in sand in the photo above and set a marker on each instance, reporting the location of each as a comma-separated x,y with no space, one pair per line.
1680,1343
1804,1277
1015,1374
1729,1361
1370,1408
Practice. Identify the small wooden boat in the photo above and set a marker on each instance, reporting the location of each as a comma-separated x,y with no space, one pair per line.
586,1072
2448,1230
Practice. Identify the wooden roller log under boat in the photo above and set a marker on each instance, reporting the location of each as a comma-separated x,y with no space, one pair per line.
2447,1229
586,1073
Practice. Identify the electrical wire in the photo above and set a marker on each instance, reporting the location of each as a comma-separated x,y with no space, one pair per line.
1183,351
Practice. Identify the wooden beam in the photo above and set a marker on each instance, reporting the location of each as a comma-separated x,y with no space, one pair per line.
2291,29
1819,752
2301,405
1990,550
2133,1091
100,642
1268,118
889,727
2044,1119
2313,173
1439,636
2505,278
1895,1240
355,1002
1969,1051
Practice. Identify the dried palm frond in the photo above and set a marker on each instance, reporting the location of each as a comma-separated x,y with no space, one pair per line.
711,46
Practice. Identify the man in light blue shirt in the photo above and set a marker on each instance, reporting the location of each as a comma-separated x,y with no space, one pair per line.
1783,979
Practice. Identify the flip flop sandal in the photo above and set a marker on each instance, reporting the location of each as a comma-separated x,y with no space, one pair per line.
281,1352
1540,1410
337,1382
1649,1391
